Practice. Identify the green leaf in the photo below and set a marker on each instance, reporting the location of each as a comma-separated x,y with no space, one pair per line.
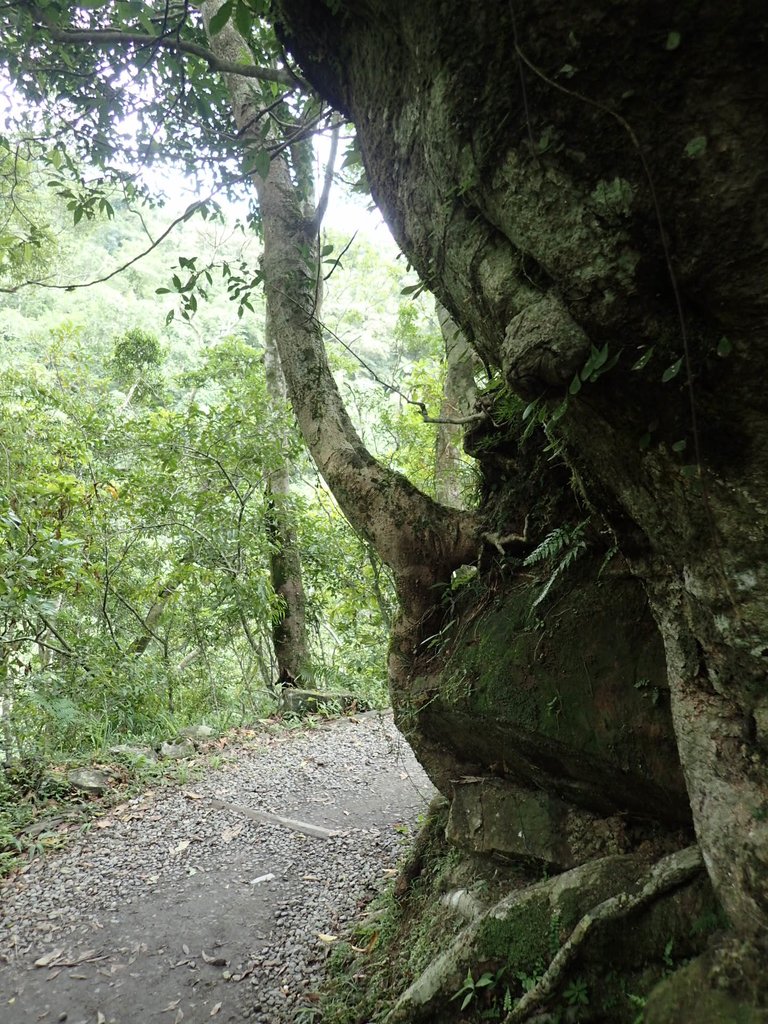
220,18
575,387
243,19
696,147
673,41
645,358
559,411
671,371
724,347
679,446
258,163
596,360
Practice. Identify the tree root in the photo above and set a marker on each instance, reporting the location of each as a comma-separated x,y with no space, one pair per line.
667,873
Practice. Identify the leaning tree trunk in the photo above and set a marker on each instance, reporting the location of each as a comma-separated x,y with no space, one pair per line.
583,186
419,539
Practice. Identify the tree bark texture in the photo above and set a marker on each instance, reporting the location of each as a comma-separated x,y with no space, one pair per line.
459,397
289,631
566,177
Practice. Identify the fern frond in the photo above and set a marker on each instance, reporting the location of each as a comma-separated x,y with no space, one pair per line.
552,545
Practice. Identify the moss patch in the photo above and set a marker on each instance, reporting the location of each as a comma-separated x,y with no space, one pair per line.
546,698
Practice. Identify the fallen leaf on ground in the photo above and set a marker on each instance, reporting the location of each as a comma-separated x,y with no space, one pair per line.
49,958
325,937
86,957
185,949
189,795
231,833
215,961
179,1016
390,872
181,848
215,1009
100,1018
171,1006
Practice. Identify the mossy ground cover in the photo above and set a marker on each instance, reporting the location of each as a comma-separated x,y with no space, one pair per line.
394,939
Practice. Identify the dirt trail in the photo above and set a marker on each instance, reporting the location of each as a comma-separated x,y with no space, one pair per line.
182,906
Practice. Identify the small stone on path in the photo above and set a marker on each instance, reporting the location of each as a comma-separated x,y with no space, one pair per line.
90,780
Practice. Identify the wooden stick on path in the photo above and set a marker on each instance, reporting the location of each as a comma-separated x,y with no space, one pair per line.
316,831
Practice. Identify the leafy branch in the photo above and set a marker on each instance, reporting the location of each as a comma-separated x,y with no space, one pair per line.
106,38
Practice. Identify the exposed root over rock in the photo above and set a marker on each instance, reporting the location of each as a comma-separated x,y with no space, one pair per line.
667,873
583,900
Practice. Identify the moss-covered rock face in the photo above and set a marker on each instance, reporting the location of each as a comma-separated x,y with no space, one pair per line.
569,699
497,816
688,997
417,957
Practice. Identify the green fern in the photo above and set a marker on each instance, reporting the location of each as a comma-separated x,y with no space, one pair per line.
552,545
567,541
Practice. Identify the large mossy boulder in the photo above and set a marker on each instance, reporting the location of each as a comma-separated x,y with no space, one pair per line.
689,997
567,697
477,916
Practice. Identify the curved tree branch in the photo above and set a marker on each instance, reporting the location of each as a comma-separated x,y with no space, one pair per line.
141,40
322,204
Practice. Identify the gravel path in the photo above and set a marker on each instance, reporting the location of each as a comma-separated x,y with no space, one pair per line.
176,908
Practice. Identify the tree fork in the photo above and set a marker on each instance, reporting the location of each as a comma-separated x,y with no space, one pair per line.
420,540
